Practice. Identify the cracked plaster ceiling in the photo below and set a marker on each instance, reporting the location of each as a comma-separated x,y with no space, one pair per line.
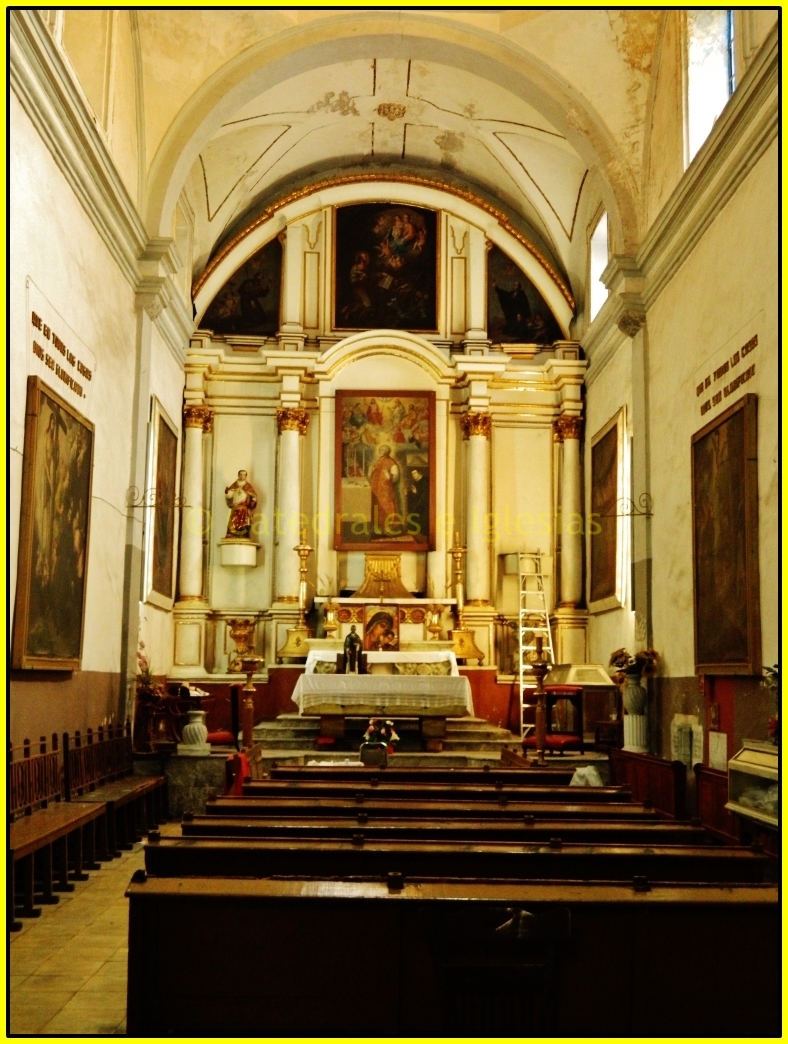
389,114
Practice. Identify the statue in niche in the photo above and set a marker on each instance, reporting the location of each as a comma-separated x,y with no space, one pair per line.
241,497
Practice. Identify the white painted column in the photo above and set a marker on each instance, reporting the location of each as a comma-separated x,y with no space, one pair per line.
476,429
476,334
292,423
291,334
572,528
325,521
195,421
444,530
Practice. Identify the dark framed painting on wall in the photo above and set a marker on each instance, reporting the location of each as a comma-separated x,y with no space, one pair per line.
160,508
516,311
54,533
384,474
609,522
725,542
385,267
249,301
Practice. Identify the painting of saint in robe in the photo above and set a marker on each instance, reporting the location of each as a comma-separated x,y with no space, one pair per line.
248,303
385,267
383,485
516,311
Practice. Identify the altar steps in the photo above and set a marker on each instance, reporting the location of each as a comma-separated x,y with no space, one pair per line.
291,732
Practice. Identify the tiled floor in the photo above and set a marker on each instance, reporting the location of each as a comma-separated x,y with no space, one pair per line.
68,967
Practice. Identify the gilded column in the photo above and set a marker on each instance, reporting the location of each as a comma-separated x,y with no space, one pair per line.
567,431
293,423
476,429
196,420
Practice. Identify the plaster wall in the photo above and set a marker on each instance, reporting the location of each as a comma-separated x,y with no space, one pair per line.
609,389
727,287
665,133
54,244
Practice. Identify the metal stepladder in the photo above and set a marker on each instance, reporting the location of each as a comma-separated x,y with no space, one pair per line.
534,621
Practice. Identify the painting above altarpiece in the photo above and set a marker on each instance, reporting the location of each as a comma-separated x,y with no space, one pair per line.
516,311
248,303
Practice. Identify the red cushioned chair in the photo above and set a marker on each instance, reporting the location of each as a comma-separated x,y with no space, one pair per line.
556,738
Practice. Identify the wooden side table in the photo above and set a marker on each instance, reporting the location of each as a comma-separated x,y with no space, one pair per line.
609,734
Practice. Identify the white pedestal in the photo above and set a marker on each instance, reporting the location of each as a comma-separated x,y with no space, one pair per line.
636,733
238,551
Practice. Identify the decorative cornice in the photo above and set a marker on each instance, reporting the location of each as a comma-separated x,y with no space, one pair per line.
291,418
630,321
406,179
476,424
567,428
198,417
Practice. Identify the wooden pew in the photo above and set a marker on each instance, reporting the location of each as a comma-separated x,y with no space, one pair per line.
101,769
657,832
483,959
397,774
662,783
491,860
433,791
382,805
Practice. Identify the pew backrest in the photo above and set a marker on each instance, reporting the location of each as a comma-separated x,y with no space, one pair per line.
34,778
657,781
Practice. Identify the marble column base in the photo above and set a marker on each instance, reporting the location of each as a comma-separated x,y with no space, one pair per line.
636,733
481,620
188,662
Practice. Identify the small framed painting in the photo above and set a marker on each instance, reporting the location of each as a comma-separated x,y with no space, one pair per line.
381,628
54,531
160,508
725,542
609,528
384,475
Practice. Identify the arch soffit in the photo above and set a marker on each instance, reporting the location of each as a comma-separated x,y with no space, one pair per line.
398,343
398,191
404,35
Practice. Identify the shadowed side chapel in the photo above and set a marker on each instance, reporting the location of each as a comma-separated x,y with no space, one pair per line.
393,431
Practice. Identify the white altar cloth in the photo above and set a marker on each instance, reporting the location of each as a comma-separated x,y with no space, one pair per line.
390,695
374,658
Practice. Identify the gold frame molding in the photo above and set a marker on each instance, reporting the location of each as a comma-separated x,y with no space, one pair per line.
401,179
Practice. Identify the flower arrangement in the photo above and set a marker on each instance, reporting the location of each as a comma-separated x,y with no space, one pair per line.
771,681
146,686
644,662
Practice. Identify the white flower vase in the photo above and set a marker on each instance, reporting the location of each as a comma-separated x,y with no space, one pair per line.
635,718
195,735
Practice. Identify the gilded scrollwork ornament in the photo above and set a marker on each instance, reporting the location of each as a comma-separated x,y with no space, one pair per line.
476,424
291,418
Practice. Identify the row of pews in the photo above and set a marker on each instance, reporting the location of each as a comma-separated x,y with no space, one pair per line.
388,902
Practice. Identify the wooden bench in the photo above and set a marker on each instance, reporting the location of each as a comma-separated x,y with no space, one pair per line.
488,776
297,857
382,805
100,770
662,783
432,791
451,959
657,832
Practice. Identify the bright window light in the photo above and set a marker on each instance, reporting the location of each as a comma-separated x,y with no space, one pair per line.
709,72
599,259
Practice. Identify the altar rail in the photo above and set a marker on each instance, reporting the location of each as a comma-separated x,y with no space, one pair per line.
33,779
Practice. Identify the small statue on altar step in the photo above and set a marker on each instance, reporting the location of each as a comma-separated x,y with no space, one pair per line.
352,650
380,731
241,497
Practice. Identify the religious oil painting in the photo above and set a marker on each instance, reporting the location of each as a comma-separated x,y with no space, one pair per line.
53,535
516,311
160,508
384,471
248,303
725,542
385,267
381,628
608,531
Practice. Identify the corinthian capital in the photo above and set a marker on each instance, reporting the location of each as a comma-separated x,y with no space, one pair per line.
290,418
198,417
567,428
476,424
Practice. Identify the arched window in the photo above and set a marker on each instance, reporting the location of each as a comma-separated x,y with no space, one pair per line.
710,72
598,258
